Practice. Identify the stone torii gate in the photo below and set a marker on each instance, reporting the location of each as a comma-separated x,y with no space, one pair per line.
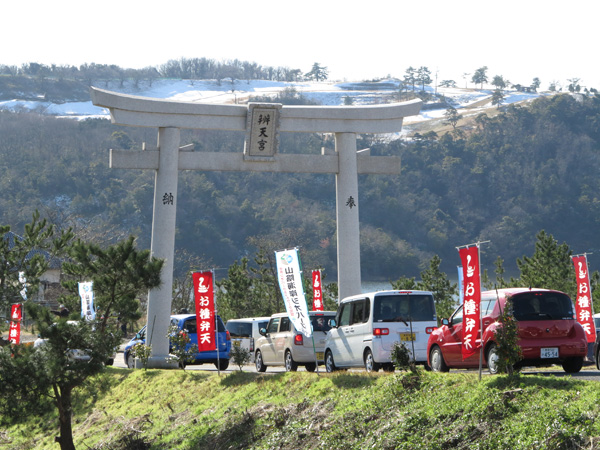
262,123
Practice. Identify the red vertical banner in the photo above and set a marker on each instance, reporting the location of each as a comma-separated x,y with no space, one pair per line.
204,299
14,331
583,302
317,291
472,299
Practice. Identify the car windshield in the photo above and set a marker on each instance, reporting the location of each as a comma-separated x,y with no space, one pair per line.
190,325
240,329
542,306
404,308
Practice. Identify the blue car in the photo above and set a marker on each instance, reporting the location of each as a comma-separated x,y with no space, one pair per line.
188,322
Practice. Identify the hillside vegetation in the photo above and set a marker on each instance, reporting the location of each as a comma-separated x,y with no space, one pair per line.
500,178
156,409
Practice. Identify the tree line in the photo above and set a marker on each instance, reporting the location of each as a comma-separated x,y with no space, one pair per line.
502,178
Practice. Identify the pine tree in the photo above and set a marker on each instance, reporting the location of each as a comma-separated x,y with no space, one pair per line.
119,273
436,281
549,267
480,76
317,73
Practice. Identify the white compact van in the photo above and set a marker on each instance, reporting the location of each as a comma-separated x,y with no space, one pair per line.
366,327
245,332
282,345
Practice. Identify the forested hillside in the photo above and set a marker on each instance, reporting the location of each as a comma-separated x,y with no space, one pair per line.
526,169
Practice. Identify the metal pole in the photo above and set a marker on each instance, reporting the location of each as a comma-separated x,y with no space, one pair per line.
216,322
480,317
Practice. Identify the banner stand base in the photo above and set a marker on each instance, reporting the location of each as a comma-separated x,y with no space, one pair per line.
157,362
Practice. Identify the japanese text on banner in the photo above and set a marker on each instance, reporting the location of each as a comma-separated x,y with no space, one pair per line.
14,331
86,292
317,291
292,291
583,302
472,298
204,300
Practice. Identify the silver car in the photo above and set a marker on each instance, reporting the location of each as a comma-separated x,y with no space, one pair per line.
281,344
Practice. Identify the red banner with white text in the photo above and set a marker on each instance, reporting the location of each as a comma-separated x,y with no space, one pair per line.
469,257
14,331
204,299
317,291
583,302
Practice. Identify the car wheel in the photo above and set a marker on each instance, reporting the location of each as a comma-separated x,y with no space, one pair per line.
130,362
258,361
598,357
310,367
492,359
290,364
573,365
223,364
110,361
329,364
370,364
437,360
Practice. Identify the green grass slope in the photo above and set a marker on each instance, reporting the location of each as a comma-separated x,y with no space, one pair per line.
157,409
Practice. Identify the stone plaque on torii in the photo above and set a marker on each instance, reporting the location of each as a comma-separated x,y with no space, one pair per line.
262,123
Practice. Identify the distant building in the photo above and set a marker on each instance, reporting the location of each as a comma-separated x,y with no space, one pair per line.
50,288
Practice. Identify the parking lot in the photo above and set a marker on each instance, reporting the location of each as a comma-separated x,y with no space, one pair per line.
589,372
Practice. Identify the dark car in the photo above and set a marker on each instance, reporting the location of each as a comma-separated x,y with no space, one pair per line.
187,322
548,332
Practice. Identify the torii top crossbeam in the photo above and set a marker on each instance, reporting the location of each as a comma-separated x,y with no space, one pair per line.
167,159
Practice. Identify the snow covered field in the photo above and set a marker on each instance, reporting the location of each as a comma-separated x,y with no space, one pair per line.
209,91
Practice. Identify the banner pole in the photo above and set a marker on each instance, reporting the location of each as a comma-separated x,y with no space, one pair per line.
216,322
480,316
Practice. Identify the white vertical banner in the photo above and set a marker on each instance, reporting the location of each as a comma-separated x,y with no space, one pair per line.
23,282
86,293
292,290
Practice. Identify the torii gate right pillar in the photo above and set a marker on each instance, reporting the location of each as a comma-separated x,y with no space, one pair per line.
346,189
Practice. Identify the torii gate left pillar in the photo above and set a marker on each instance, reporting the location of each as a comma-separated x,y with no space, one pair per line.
167,159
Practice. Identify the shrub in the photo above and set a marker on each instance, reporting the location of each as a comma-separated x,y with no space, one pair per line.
402,358
142,352
239,355
509,351
180,353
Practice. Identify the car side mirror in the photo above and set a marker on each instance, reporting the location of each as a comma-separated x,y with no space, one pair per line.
263,331
445,322
332,323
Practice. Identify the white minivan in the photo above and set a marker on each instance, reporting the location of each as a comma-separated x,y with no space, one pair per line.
245,332
367,325
282,345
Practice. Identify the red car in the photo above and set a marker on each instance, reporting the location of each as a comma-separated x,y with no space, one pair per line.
548,332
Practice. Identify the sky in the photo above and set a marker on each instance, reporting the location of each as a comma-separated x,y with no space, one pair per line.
551,39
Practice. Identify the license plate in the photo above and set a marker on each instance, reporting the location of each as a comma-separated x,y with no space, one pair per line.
320,356
407,336
549,352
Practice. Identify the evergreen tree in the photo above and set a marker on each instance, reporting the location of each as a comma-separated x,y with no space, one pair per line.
499,82
119,273
452,117
480,76
410,77
235,294
32,379
424,77
23,259
436,281
497,98
317,73
549,267
74,351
